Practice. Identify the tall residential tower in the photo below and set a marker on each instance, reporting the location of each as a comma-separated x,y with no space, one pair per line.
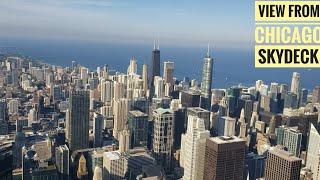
206,81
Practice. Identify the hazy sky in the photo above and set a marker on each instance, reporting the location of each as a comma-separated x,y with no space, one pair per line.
224,23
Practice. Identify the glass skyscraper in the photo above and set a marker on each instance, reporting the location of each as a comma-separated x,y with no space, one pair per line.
206,81
155,67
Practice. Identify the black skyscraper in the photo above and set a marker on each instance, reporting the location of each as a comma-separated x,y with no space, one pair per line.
155,67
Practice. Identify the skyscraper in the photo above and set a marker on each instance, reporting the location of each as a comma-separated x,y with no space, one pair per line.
97,129
6,160
97,175
84,74
3,110
119,90
114,165
158,87
138,126
32,117
201,113
124,141
180,118
120,112
3,117
206,81
62,161
132,69
254,166
229,126
168,72
291,138
313,153
193,148
78,120
224,158
105,72
107,91
243,125
163,137
155,66
282,165
295,83
225,126
145,78
304,97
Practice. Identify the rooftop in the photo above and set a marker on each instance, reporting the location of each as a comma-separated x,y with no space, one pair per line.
162,111
283,154
197,109
137,113
113,155
226,139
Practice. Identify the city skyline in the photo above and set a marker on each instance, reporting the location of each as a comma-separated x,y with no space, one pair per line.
86,95
69,99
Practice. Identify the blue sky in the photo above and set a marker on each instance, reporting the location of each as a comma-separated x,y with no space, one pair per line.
224,23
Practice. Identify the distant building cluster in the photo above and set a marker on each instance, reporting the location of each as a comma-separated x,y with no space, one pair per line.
74,123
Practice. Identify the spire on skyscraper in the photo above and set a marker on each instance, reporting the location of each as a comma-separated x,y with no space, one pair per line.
158,47
208,50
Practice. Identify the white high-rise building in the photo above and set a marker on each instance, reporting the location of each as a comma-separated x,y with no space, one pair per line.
313,153
97,175
32,117
13,106
163,137
158,87
295,83
254,119
120,113
107,91
119,90
62,161
258,84
263,89
274,87
193,148
114,165
132,69
106,111
124,140
243,125
84,73
145,78
167,89
229,126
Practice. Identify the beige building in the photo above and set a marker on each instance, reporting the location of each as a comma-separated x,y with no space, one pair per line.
224,158
193,148
281,165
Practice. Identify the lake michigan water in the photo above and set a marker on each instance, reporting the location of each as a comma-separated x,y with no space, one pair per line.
231,66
